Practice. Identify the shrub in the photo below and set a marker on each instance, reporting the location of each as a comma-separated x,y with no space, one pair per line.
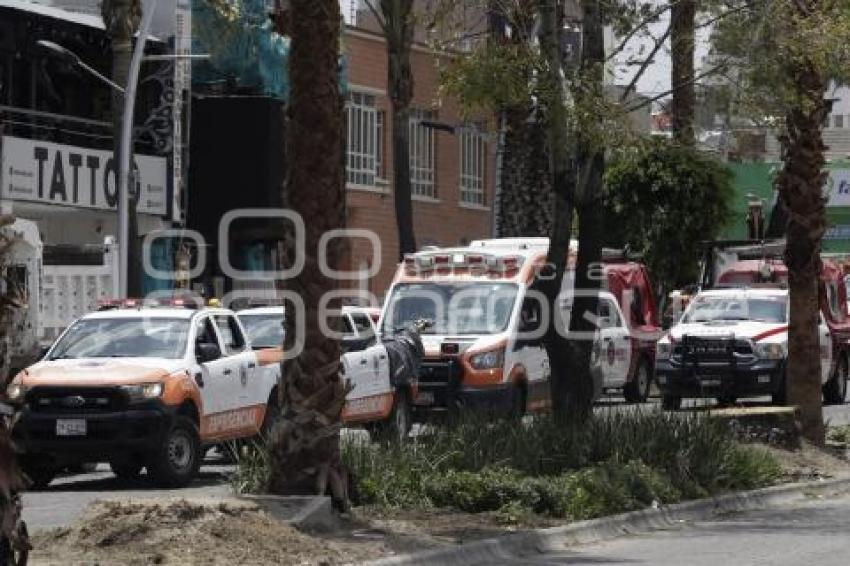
615,462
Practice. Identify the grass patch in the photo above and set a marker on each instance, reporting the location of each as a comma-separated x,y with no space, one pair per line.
616,462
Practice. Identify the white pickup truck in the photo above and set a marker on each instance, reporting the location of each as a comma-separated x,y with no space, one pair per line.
142,387
381,373
733,343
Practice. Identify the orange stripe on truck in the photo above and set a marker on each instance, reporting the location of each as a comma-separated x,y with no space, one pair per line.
366,409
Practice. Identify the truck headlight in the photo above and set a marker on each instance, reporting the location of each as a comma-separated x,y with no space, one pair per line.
143,392
663,350
16,392
488,360
771,351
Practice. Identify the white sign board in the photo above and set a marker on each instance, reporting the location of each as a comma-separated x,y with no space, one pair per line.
67,175
837,187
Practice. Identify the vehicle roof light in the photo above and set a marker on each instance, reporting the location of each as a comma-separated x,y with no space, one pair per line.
441,259
475,259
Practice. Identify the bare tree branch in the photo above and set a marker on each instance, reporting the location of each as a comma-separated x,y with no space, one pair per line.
714,70
650,18
646,63
377,15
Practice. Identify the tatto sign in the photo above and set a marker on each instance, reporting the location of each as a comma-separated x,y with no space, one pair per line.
52,173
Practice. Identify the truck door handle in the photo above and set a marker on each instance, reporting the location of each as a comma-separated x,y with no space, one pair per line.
364,362
608,339
228,371
252,365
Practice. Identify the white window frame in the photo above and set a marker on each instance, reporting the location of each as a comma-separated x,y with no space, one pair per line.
362,141
473,160
422,154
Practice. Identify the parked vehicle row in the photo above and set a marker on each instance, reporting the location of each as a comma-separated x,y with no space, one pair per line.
152,386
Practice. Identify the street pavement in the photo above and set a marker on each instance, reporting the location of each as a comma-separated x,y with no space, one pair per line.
67,497
808,533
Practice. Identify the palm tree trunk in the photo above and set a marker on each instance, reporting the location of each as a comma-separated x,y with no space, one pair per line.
682,22
304,448
525,200
801,189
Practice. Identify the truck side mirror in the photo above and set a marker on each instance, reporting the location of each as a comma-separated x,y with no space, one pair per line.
207,352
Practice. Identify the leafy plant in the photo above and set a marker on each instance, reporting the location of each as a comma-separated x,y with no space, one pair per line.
664,199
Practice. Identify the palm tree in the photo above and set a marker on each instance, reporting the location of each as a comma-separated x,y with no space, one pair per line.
304,447
525,200
682,22
121,18
800,186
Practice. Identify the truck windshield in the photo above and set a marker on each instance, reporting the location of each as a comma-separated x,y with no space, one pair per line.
264,330
123,338
761,309
454,308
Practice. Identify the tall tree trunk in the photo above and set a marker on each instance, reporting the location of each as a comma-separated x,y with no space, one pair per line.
682,30
304,448
801,189
590,163
563,186
121,18
398,24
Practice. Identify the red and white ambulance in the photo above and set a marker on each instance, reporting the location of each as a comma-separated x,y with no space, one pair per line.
479,301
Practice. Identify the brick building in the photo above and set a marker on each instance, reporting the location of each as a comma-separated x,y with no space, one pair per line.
452,174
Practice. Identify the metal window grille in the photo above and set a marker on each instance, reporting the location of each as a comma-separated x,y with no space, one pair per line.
362,139
472,160
421,154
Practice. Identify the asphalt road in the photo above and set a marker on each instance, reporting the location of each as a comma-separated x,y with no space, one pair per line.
809,533
67,497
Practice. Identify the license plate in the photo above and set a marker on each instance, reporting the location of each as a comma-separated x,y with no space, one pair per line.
70,427
425,398
710,381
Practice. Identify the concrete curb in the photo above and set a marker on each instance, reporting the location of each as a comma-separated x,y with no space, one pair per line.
517,545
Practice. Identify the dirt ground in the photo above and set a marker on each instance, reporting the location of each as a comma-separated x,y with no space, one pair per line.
811,463
215,533
185,533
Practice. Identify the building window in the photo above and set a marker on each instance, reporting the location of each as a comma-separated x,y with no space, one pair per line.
472,163
421,154
362,150
381,154
838,120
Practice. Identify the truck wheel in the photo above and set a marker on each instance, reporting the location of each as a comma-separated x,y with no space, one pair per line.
671,402
127,470
781,396
177,461
637,389
726,400
835,390
398,425
40,471
519,403
270,419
